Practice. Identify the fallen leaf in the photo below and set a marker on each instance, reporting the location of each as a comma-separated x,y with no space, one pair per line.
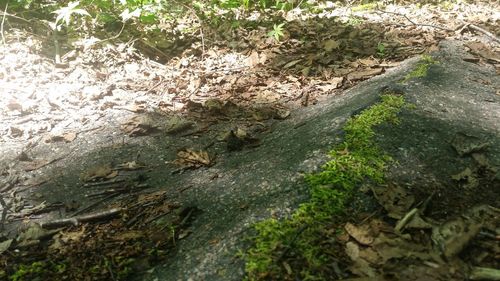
131,166
352,250
465,144
193,159
364,74
16,132
330,45
468,178
129,235
69,137
99,172
183,234
253,59
362,268
13,105
281,113
144,198
332,84
4,246
32,235
369,62
288,268
485,52
139,126
177,125
35,165
395,200
291,63
361,233
74,236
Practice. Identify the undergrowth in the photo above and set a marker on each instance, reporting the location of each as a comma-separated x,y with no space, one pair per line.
303,245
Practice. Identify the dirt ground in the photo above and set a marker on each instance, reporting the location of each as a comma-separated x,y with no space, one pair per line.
122,165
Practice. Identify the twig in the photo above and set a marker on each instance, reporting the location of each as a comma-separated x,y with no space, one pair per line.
111,272
5,14
114,181
155,85
79,219
201,26
110,38
414,23
484,273
96,203
154,48
3,21
148,221
4,212
484,31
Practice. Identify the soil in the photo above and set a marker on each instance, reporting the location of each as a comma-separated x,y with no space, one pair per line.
97,135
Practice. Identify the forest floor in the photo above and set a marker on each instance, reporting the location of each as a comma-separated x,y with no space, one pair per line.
112,163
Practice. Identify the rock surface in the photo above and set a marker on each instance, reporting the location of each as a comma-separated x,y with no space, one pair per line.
456,97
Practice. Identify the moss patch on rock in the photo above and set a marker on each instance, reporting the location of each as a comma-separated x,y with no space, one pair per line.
422,67
305,245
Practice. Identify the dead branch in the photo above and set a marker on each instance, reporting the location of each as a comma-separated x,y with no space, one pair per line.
3,21
484,31
96,203
484,273
5,14
4,211
414,23
81,219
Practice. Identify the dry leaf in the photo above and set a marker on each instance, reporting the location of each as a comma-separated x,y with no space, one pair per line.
35,165
468,177
129,235
193,159
139,126
253,59
482,50
364,74
330,45
4,246
14,105
352,250
144,198
16,132
288,268
291,63
131,166
69,137
100,172
332,84
362,233
395,200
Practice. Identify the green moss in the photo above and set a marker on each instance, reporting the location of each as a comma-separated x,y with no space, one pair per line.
365,7
301,237
28,272
422,67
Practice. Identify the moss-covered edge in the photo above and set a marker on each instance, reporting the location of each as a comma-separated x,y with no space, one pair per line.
426,61
356,159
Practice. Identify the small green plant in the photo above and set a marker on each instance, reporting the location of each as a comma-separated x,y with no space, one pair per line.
277,32
64,14
381,50
27,272
422,67
355,21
